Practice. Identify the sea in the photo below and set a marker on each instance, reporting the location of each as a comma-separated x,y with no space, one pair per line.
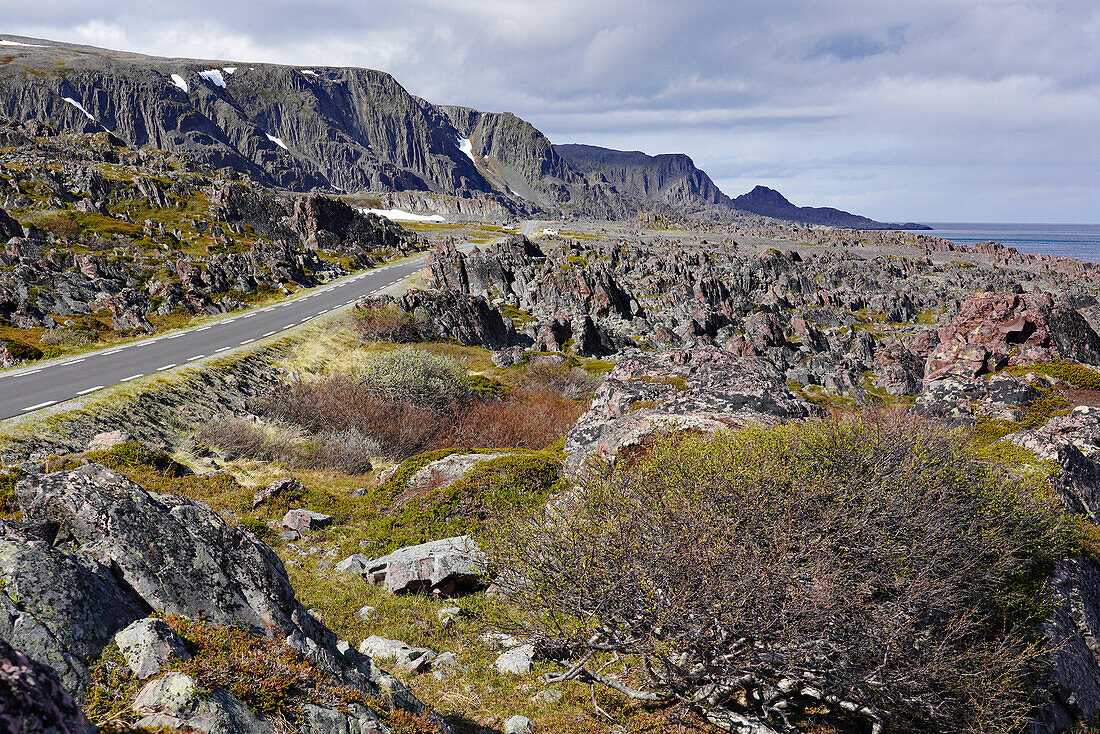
1081,241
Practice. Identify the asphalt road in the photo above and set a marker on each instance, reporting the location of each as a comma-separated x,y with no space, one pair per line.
26,390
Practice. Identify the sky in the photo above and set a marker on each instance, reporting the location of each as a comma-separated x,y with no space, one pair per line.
914,110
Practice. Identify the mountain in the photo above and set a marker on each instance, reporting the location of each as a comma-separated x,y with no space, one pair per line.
351,129
670,177
770,203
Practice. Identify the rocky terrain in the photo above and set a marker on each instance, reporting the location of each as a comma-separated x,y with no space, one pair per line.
101,240
307,537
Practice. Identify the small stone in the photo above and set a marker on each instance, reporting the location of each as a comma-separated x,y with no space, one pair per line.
107,440
367,614
499,640
303,521
148,644
549,697
516,661
447,616
285,485
518,725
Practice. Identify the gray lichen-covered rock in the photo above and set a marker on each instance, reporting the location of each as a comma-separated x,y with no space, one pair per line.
175,701
703,389
517,661
447,566
277,488
518,725
32,699
1073,629
60,609
148,644
412,659
356,720
179,555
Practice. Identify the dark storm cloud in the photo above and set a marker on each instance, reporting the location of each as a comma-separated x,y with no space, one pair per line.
938,109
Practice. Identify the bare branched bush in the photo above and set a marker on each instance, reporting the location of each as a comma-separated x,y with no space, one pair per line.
241,439
573,383
375,322
844,574
348,451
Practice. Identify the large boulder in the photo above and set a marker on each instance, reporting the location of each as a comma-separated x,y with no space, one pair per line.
704,389
1072,629
447,566
177,554
150,644
9,227
32,699
994,330
59,609
175,701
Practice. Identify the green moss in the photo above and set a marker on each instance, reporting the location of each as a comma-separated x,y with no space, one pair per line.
8,504
519,317
485,385
1069,372
136,455
20,350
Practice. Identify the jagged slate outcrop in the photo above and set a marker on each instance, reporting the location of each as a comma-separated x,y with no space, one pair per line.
33,700
994,330
770,203
59,609
469,320
1072,629
701,389
670,177
962,401
326,223
177,556
9,227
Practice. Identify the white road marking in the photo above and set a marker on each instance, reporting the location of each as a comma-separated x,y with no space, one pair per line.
247,341
269,333
197,356
90,389
40,405
223,349
174,336
113,351
204,328
166,367
307,318
75,361
132,377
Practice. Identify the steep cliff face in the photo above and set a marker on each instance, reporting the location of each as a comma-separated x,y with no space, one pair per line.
351,129
521,161
670,177
297,128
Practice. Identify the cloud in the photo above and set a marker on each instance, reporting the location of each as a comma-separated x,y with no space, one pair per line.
942,109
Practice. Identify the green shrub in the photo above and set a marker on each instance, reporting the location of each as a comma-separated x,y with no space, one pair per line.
846,571
8,504
1069,372
419,377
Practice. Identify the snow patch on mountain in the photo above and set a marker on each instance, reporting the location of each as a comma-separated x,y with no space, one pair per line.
214,76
